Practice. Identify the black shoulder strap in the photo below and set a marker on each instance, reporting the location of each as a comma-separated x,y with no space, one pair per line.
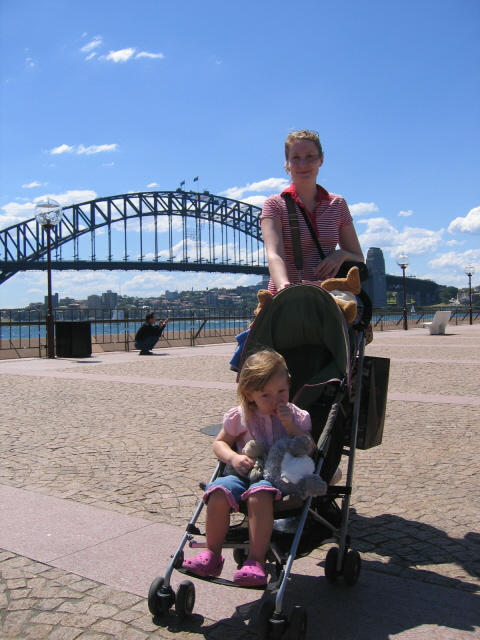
295,231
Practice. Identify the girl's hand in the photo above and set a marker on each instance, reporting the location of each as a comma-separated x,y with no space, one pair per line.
329,267
285,414
242,464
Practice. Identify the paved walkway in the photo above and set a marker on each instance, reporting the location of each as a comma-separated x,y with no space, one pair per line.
97,483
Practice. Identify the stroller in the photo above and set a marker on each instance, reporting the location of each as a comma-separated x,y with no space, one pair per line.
345,394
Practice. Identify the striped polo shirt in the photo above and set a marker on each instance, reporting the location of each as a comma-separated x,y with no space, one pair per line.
329,216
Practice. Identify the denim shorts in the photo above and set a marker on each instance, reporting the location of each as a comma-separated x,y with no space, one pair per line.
237,489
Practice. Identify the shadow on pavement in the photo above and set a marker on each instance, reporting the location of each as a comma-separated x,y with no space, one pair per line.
390,598
408,543
380,606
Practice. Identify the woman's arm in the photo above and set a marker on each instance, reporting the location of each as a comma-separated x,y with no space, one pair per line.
350,250
273,240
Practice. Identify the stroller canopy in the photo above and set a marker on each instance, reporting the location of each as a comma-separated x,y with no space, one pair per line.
305,325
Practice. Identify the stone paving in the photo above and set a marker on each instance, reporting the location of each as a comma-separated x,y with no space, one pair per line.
124,434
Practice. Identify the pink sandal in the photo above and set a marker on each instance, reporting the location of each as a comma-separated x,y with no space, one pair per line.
252,574
205,564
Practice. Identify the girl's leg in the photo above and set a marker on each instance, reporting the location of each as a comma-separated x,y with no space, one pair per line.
209,563
218,520
260,521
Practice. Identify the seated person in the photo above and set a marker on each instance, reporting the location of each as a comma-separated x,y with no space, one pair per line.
149,334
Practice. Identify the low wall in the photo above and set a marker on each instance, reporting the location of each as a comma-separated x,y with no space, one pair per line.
37,347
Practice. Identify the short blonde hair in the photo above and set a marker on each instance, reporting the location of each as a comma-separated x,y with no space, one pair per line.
303,134
256,372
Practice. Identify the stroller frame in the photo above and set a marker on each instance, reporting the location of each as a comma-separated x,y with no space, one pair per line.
340,560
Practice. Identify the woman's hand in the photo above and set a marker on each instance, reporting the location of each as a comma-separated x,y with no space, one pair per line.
329,267
284,286
242,464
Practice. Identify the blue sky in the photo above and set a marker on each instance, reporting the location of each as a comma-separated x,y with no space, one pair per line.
102,98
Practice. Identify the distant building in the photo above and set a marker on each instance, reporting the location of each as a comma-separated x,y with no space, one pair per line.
376,285
54,301
94,302
211,299
263,284
109,299
171,295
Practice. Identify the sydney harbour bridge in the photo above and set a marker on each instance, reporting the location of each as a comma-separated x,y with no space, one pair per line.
154,230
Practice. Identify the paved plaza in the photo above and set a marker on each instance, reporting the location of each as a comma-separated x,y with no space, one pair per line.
100,464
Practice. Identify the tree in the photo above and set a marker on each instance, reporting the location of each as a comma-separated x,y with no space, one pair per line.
446,293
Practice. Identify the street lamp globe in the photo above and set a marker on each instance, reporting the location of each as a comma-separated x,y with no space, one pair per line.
469,270
403,261
48,213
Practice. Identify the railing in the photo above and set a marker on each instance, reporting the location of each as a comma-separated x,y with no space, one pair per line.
387,320
23,330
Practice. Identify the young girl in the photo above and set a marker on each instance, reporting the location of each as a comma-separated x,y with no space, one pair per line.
264,414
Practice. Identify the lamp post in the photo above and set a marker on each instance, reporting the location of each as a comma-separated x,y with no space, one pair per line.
469,271
402,262
48,215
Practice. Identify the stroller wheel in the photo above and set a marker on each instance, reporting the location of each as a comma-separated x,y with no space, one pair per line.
185,599
351,567
331,572
297,624
239,555
160,599
263,619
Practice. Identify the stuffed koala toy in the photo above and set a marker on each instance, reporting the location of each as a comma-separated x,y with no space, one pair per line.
255,450
290,468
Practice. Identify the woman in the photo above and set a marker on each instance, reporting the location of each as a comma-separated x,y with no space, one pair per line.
328,214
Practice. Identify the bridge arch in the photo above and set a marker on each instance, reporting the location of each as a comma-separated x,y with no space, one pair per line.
210,232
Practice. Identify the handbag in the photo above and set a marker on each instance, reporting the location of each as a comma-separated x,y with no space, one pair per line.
296,245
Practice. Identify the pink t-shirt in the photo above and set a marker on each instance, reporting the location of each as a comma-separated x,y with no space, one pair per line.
266,429
329,216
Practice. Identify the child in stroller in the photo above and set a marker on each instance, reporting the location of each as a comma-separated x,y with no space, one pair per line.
265,415
325,358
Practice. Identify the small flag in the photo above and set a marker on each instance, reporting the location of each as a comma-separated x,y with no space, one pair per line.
182,183
195,179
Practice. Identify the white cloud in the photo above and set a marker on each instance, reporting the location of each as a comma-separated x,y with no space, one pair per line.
415,241
257,201
152,56
91,55
455,243
149,283
152,185
405,214
63,148
121,55
13,212
363,208
456,259
270,184
96,148
469,224
30,63
81,149
69,197
93,44
32,185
